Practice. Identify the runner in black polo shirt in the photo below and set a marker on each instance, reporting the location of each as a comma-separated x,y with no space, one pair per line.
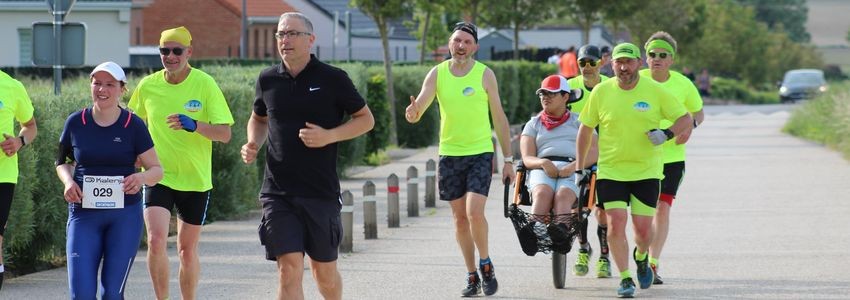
299,107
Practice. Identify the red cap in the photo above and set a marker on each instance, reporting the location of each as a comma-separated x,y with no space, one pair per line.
554,83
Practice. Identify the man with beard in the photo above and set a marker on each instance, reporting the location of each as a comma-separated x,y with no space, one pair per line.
469,96
628,111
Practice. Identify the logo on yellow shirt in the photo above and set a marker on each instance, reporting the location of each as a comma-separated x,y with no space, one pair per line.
193,106
468,91
641,106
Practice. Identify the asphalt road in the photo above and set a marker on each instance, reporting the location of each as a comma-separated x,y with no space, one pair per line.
760,215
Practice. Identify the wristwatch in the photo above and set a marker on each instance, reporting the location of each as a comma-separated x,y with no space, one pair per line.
509,159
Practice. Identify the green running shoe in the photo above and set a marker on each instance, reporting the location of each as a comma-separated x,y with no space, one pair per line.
581,267
603,268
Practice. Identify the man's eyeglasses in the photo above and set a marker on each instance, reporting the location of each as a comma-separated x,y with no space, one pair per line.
661,55
166,51
583,63
290,34
548,94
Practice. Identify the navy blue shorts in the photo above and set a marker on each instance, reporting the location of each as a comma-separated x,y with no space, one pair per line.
461,174
191,206
299,224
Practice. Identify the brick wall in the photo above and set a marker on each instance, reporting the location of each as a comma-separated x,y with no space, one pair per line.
215,27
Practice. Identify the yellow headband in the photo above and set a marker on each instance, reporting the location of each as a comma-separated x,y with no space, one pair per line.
179,34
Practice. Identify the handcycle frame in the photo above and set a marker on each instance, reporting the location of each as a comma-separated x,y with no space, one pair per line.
522,197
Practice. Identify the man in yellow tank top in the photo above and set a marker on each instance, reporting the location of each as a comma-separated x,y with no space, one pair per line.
661,50
469,96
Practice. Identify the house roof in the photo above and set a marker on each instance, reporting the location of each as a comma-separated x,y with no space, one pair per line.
361,24
260,8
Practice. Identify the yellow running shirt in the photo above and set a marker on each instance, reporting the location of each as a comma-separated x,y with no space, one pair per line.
624,118
186,157
687,94
15,105
578,83
464,112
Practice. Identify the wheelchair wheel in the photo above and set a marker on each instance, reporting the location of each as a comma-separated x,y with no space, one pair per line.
559,269
507,201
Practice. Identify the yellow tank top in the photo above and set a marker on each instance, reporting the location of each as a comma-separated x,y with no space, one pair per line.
464,112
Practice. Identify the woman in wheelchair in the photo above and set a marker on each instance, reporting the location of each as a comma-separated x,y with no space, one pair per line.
548,145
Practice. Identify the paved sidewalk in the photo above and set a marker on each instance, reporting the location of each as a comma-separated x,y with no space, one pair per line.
761,215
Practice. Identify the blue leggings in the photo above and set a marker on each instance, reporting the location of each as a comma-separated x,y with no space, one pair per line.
108,235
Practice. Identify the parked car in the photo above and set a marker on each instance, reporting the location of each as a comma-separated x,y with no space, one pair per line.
801,84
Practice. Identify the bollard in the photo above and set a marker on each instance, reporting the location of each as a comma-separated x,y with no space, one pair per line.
370,219
431,183
412,192
347,217
392,201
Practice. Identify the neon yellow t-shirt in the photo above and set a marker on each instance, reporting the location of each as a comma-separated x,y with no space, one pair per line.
186,157
15,105
578,83
624,117
464,112
686,93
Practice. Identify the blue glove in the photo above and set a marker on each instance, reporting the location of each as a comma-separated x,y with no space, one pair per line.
188,123
659,136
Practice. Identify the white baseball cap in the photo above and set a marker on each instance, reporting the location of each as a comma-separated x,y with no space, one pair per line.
111,68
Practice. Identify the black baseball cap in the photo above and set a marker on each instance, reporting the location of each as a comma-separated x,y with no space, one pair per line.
589,51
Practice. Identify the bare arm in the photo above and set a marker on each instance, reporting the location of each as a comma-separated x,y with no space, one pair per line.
216,133
153,171
583,145
698,116
314,136
500,121
13,144
682,127
73,193
258,131
421,103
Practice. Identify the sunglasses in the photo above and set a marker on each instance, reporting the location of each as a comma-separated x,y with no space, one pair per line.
548,94
166,51
583,63
661,55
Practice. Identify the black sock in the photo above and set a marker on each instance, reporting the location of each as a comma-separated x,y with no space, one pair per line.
602,233
582,237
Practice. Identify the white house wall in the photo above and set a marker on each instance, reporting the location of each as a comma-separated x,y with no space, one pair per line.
107,33
362,48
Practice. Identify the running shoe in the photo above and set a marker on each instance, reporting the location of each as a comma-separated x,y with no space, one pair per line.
581,267
645,276
657,278
490,285
603,267
473,286
626,289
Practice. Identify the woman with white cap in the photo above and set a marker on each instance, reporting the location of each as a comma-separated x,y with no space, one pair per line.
548,150
96,162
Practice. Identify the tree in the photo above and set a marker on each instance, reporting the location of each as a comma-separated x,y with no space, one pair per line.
791,14
615,13
382,11
516,14
684,20
586,13
428,25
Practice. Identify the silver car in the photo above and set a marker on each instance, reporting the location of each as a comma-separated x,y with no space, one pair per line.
801,84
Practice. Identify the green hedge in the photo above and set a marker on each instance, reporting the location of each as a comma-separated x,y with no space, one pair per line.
825,119
733,89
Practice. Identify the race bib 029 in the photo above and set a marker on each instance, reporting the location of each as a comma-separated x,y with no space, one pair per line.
103,192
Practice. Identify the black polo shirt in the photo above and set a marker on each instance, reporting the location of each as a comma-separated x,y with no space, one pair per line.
321,94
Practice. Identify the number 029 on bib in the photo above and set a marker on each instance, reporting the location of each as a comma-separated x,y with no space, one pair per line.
103,192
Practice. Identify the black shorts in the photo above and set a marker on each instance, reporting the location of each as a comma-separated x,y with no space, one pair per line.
646,191
673,174
191,206
7,193
299,224
461,174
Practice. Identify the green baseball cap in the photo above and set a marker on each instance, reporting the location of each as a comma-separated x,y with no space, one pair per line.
627,50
